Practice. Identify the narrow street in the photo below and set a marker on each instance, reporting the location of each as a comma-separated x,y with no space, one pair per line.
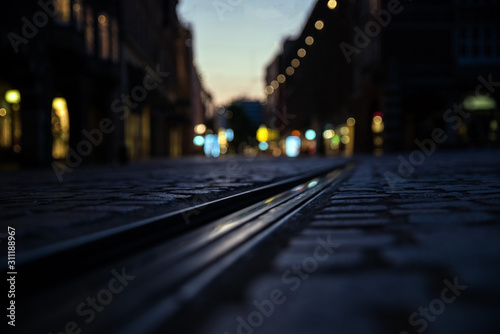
357,255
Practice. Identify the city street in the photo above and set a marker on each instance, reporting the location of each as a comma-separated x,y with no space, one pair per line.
250,167
395,244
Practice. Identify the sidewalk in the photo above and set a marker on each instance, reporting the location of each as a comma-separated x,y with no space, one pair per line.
418,255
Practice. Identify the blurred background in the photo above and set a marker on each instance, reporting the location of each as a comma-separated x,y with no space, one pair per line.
85,81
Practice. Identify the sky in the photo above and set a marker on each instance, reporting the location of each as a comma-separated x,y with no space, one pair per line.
235,40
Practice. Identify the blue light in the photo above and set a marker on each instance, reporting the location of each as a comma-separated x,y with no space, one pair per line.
292,146
212,148
310,134
229,135
216,147
199,140
263,146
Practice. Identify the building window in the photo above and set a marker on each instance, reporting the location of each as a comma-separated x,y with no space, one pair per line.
477,36
477,42
89,30
78,13
63,11
60,128
104,46
115,41
10,120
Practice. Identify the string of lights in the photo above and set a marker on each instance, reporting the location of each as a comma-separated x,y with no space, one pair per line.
301,53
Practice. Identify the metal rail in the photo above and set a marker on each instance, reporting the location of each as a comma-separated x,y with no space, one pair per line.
175,260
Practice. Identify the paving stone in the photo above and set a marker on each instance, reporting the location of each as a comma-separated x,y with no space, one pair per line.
338,260
323,304
355,208
53,219
351,223
110,208
357,196
400,212
344,241
355,215
438,204
356,201
452,218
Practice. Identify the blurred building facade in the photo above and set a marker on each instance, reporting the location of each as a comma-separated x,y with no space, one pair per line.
102,81
389,72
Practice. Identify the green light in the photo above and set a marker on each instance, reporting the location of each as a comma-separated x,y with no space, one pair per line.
479,102
336,140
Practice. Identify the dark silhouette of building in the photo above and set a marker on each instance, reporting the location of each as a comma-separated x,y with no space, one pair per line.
88,80
397,70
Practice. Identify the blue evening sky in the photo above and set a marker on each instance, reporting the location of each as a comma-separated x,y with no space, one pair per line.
234,43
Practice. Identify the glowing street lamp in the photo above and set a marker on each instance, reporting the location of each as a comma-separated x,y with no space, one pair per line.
13,96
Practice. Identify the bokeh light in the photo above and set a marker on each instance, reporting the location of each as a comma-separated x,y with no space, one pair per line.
200,129
327,134
199,140
332,4
310,134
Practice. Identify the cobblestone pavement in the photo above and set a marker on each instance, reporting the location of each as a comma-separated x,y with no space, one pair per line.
43,210
419,255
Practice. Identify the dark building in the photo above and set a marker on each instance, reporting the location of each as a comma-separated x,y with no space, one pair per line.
87,80
397,70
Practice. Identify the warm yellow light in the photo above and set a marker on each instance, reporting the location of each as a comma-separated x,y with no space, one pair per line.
301,53
295,63
76,7
309,40
319,25
332,4
378,141
345,139
290,70
262,134
59,105
3,112
377,124
269,90
273,134
60,128
275,84
344,130
200,129
102,19
281,78
351,121
222,137
13,96
328,134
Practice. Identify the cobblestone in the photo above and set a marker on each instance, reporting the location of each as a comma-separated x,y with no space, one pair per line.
95,198
397,245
